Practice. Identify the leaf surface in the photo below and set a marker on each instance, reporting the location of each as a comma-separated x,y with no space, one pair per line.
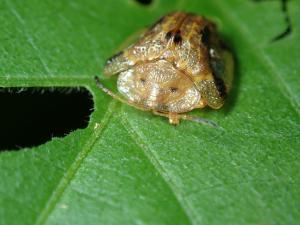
130,167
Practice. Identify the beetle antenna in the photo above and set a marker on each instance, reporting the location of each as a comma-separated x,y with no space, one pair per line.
190,118
199,120
117,97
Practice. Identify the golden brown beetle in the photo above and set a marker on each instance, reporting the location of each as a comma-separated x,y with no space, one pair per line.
179,64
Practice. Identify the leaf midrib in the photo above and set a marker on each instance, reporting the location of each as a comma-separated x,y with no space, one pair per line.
71,171
137,139
140,141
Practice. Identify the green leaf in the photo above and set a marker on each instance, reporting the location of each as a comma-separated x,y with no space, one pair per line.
131,167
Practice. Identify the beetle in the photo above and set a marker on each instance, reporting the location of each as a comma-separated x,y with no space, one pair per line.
177,65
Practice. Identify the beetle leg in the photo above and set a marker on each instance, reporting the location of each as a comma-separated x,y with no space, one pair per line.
174,118
202,103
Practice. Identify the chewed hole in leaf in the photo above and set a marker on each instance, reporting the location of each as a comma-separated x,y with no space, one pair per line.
288,29
144,2
32,116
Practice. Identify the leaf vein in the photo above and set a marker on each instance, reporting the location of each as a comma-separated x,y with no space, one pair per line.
71,171
141,142
28,36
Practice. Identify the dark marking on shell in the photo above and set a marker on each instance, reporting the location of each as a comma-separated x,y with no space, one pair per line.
169,35
177,37
220,86
205,36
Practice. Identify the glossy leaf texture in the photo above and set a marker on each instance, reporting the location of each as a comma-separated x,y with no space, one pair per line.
130,167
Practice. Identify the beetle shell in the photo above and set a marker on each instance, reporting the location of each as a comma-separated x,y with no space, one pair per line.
156,85
177,65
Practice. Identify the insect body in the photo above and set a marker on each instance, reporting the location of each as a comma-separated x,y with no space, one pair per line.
177,65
